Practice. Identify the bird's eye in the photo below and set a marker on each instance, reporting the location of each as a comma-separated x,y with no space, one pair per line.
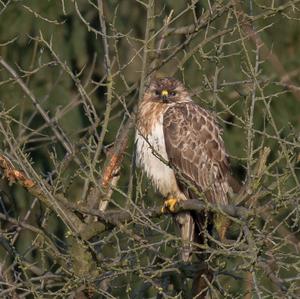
173,93
157,93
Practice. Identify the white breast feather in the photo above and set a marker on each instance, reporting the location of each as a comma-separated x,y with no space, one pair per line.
162,175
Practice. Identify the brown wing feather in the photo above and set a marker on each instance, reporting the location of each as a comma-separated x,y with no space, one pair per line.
196,150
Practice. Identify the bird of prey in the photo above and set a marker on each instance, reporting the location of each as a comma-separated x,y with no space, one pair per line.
180,148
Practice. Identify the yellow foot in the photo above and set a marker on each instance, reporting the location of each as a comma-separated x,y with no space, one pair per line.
169,205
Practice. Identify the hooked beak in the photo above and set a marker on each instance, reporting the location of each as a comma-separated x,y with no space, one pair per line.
164,95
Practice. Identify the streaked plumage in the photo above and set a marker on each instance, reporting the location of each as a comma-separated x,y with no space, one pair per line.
178,139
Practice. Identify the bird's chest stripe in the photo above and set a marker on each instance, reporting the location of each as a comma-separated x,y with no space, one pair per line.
152,155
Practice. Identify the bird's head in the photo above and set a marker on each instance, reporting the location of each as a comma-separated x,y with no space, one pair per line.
167,90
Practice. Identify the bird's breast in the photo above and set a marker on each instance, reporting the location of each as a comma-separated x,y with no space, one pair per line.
152,157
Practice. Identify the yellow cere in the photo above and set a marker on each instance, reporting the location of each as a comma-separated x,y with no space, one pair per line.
164,93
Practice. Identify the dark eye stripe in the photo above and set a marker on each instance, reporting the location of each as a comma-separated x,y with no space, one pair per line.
173,93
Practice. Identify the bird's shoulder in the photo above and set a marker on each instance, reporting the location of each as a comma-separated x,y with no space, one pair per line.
190,116
193,135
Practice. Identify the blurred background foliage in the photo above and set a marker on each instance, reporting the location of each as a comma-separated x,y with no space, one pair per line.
56,49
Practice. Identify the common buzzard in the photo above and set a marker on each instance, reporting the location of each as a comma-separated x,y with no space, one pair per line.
179,146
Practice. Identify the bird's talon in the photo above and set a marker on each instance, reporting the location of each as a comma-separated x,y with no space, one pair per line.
169,205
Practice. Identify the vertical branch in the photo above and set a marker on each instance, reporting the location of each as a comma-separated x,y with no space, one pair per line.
219,52
101,194
250,133
148,44
253,73
111,171
109,94
161,42
104,38
109,82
